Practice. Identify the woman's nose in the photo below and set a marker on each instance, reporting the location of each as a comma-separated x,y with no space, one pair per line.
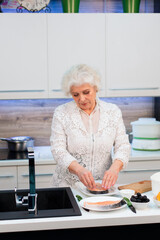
81,97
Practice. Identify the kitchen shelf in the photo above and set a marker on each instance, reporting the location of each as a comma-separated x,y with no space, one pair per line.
88,6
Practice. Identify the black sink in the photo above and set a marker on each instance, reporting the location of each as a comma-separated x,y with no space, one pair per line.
51,202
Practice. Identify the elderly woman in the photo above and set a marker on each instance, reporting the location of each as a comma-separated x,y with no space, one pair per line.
84,132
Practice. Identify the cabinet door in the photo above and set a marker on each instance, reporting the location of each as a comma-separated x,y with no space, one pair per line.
133,54
138,171
8,178
43,174
23,56
75,39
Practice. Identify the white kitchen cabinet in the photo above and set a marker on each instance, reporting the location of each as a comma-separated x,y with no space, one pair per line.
8,177
138,171
74,39
43,175
23,56
132,55
37,49
17,175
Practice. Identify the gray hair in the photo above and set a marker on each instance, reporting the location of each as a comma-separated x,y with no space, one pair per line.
78,75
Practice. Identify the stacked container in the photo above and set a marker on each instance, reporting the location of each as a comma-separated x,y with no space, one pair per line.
146,134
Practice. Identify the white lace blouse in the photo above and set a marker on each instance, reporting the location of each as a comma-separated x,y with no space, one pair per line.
88,141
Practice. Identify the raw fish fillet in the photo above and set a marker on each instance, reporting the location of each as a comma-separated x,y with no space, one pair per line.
98,189
105,205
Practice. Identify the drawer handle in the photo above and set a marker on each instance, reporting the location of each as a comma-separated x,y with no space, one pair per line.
141,170
6,176
56,90
124,89
39,175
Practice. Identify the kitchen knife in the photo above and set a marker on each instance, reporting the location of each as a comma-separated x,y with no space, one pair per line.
129,204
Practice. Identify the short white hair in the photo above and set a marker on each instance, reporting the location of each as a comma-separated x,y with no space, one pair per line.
78,75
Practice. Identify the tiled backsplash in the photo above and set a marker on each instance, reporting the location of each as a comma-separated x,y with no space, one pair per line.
34,117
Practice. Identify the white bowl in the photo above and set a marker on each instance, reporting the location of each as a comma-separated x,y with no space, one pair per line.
155,180
156,201
140,205
127,193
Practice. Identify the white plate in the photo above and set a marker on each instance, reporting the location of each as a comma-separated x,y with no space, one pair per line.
84,190
100,199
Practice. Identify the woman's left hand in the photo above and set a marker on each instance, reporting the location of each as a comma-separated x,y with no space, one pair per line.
111,175
109,179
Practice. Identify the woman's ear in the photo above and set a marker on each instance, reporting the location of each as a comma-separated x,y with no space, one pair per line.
96,89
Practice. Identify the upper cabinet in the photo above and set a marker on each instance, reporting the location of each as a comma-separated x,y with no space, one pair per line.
37,49
23,56
75,39
132,55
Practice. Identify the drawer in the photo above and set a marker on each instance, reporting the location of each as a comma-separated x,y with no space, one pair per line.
143,165
43,175
8,178
138,171
135,176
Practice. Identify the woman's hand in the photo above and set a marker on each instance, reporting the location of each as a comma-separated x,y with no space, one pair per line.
109,179
111,175
86,178
83,174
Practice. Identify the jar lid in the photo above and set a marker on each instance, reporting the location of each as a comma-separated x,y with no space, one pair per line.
146,121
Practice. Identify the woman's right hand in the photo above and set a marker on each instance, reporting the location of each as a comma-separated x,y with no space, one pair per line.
86,178
83,174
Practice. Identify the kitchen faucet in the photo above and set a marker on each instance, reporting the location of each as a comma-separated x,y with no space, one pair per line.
31,199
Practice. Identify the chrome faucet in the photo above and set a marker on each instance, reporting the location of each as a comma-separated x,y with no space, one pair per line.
31,199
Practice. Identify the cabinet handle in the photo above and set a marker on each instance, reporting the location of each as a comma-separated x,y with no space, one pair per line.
60,90
141,170
56,90
121,89
39,175
14,91
6,176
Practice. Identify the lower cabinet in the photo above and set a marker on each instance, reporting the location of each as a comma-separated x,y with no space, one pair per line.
8,177
18,176
43,174
138,171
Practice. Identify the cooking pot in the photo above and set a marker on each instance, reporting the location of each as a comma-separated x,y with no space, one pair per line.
19,143
146,128
155,180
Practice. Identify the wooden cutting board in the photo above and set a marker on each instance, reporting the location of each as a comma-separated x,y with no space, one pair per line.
141,187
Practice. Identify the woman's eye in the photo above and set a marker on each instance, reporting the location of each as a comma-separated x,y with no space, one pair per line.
86,92
75,95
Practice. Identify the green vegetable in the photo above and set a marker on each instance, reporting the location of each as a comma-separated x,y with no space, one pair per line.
79,198
127,201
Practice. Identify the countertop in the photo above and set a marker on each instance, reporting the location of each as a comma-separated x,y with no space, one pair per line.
122,216
43,155
144,155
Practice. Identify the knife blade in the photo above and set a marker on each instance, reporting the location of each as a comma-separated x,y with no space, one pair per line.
129,204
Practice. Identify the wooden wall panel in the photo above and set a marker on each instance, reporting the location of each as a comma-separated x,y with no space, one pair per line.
33,117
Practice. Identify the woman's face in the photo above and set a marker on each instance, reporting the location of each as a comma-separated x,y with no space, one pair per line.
84,96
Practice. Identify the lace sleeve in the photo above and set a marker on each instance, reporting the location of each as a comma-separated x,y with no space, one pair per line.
121,146
58,142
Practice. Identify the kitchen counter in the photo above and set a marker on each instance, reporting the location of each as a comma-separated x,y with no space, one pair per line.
144,155
90,219
43,155
140,167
